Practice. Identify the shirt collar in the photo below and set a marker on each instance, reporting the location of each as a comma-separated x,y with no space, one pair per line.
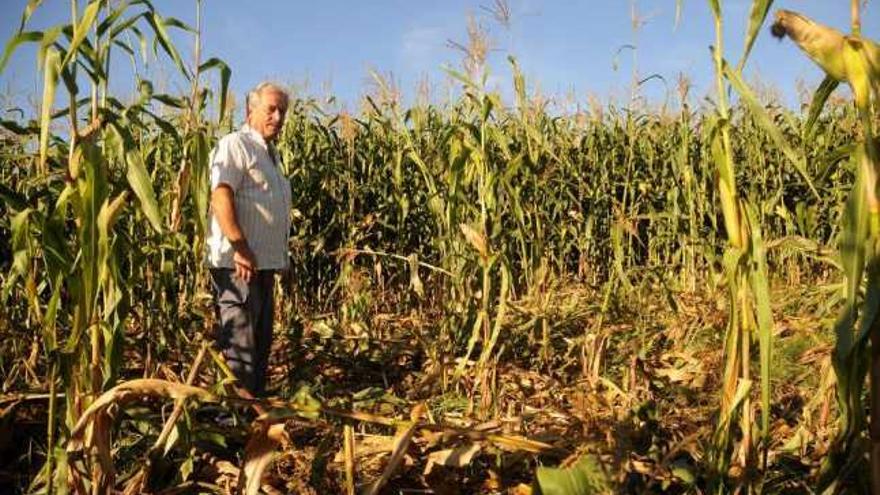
250,131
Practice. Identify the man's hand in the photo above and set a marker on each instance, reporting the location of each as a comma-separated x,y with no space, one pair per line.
223,204
245,261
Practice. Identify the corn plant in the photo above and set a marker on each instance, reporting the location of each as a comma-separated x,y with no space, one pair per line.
75,245
746,272
855,60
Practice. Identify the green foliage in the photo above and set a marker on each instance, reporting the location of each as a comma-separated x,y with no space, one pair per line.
586,477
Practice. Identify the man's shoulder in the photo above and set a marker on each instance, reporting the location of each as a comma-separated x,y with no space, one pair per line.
234,137
237,141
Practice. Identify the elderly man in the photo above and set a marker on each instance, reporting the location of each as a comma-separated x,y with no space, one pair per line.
248,233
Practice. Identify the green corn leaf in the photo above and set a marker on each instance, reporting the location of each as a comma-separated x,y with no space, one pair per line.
870,305
225,76
50,317
90,14
171,101
28,12
16,128
871,299
109,21
158,24
126,48
461,77
50,39
166,126
137,175
142,41
50,81
126,24
584,478
761,289
146,3
826,163
201,188
767,124
177,23
21,253
68,76
854,233
500,315
66,110
758,14
56,253
12,199
823,92
25,37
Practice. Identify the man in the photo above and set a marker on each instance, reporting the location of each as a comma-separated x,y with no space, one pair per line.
248,234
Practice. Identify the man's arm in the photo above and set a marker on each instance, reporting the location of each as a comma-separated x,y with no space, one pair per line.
223,205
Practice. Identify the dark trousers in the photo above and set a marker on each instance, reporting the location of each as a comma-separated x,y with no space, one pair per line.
244,314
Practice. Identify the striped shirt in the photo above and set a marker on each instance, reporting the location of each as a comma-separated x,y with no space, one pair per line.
242,161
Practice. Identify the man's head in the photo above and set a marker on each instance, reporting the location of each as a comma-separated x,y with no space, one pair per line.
266,106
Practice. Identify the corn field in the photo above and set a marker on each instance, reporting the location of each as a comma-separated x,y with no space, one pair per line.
485,296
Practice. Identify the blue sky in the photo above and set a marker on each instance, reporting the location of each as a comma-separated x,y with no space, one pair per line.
565,47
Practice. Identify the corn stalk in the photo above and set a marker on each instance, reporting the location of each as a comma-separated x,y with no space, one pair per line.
746,270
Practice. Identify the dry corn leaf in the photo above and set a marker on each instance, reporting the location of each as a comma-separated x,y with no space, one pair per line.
516,443
457,457
476,239
348,448
521,489
401,444
368,446
259,452
128,391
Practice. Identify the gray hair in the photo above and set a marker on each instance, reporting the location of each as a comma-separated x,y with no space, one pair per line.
254,95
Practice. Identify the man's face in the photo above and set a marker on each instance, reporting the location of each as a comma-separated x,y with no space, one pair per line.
267,117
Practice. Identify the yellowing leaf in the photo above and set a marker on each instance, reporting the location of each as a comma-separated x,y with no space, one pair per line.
824,45
476,239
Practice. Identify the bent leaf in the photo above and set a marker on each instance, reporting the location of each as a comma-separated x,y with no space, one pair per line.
766,122
259,453
225,76
137,176
26,37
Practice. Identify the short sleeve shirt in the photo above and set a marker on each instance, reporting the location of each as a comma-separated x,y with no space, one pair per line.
243,162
